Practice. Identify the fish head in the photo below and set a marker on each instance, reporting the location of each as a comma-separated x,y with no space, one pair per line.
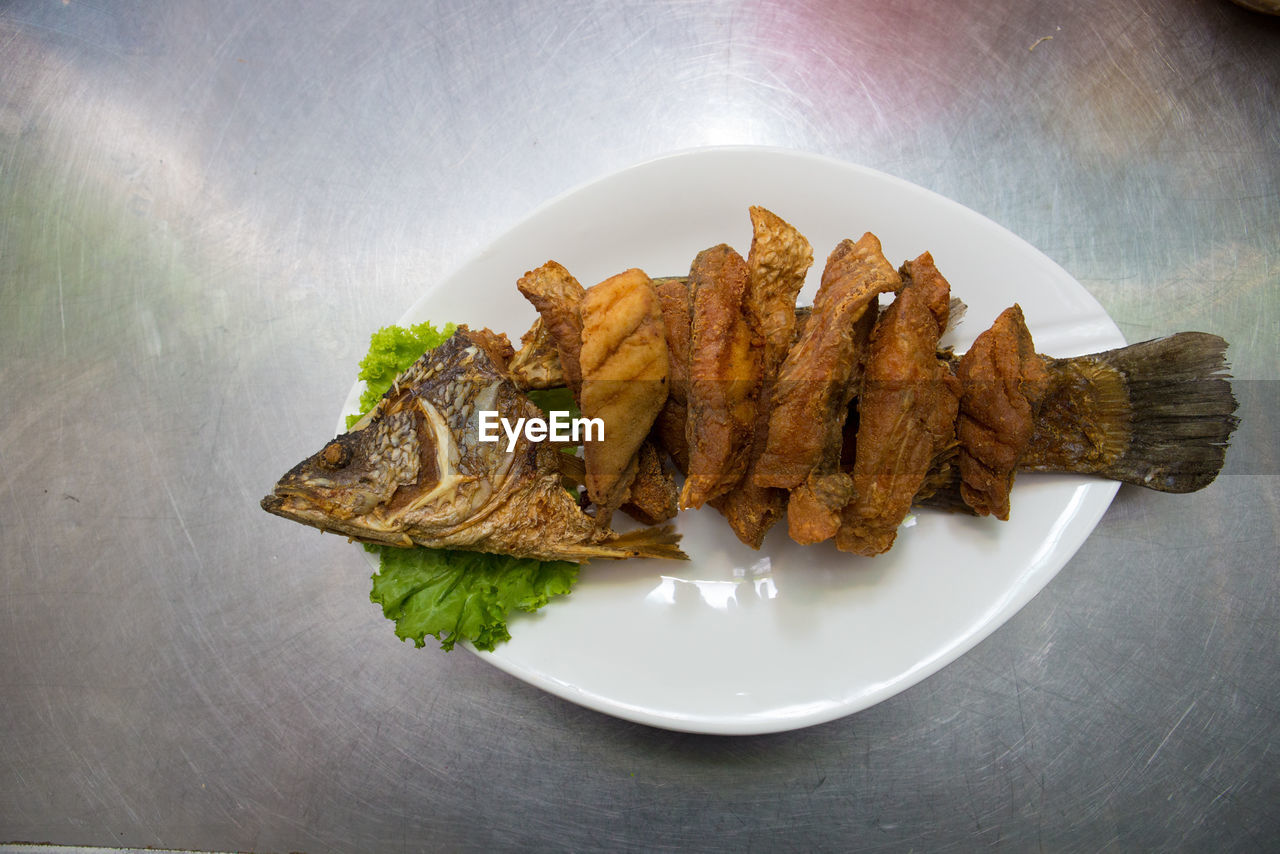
414,470
342,487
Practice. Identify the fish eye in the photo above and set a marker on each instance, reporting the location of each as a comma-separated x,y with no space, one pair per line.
335,455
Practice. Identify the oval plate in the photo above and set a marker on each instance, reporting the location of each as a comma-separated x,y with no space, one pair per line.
738,641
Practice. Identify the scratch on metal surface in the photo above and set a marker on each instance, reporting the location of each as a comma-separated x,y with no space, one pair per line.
1169,734
871,99
759,81
150,333
62,308
548,50
182,522
1017,693
1208,636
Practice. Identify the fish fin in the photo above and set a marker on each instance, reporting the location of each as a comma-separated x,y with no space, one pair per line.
657,542
956,310
751,510
1166,420
941,490
1183,411
573,471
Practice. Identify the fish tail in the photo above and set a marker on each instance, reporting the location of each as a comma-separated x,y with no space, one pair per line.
1183,411
1156,414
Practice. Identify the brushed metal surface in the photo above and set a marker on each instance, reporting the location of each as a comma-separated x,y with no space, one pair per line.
206,208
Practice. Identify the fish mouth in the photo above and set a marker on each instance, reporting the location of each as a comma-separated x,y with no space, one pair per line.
274,504
279,503
291,503
291,506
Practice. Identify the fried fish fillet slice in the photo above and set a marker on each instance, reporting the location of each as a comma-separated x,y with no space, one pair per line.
1002,383
625,377
813,507
669,428
414,471
724,375
777,263
813,390
906,411
673,302
536,365
557,295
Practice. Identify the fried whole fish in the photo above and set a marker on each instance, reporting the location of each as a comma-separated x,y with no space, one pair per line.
924,426
413,471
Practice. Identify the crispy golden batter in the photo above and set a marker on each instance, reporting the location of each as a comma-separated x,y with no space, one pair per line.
906,411
624,379
556,295
1002,382
780,257
814,388
724,376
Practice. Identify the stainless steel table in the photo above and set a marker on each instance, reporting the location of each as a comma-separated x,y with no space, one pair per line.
207,207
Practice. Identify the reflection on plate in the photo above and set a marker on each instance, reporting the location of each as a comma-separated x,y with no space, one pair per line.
738,641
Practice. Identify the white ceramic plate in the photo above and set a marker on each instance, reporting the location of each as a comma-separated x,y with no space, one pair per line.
738,641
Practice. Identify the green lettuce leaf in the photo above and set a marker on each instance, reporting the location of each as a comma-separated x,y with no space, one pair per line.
455,595
450,595
392,349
